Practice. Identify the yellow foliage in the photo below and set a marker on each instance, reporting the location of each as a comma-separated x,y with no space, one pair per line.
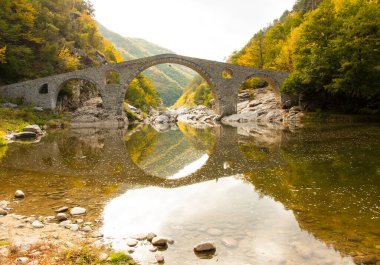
2,55
71,62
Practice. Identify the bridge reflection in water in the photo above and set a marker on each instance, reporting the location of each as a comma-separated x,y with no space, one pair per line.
317,173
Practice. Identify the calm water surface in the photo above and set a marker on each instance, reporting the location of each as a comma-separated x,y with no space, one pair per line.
263,195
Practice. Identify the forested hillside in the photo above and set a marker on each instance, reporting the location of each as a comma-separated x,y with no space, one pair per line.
330,47
40,38
44,37
169,81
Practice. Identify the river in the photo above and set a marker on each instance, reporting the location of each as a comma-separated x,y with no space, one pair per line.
262,194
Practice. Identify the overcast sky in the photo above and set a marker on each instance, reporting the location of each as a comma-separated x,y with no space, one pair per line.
209,29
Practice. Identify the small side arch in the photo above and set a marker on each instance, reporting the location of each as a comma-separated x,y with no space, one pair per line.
175,60
73,91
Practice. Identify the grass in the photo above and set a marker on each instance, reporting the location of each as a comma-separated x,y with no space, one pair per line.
83,254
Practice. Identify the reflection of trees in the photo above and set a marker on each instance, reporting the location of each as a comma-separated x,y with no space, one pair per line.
142,143
331,181
80,152
201,139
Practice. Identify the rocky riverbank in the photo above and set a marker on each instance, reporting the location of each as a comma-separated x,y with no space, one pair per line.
65,237
261,107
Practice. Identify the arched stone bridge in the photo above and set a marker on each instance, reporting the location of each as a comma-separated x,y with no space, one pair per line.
224,79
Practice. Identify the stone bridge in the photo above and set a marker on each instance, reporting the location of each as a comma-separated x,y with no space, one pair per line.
224,79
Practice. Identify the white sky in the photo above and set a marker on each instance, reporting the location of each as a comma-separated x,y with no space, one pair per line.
208,29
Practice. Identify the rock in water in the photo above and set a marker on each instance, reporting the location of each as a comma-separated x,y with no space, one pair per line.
19,194
204,247
77,211
159,241
34,129
3,212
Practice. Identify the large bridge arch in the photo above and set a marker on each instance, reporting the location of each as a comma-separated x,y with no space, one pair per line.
128,73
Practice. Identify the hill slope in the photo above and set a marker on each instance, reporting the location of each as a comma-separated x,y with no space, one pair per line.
168,80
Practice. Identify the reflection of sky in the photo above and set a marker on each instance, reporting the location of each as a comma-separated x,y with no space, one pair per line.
190,168
264,230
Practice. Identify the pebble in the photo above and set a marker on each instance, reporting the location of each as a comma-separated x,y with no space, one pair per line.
160,258
204,246
19,194
132,243
77,211
62,209
3,212
37,224
61,217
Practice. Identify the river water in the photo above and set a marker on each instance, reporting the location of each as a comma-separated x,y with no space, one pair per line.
263,195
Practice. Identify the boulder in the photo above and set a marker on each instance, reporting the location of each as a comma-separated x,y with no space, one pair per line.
33,128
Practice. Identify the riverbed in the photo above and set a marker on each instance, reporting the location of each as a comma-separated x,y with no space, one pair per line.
262,194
